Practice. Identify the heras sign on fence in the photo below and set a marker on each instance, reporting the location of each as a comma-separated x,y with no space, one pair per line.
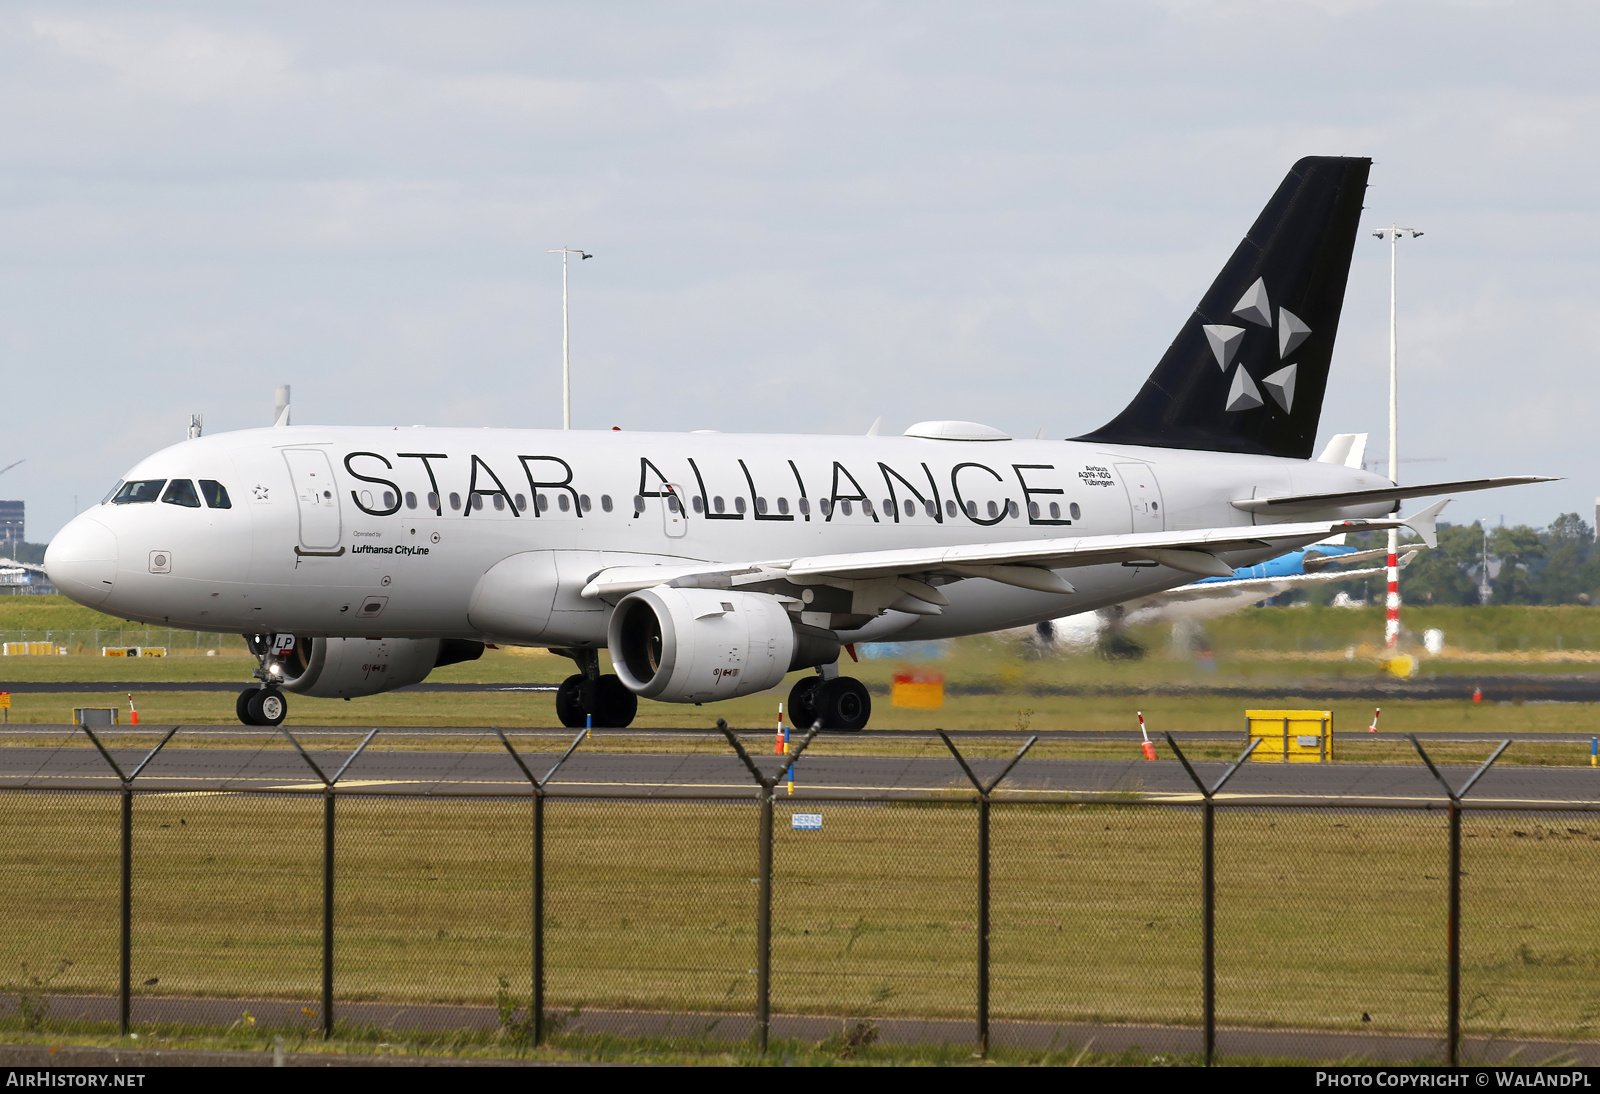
807,822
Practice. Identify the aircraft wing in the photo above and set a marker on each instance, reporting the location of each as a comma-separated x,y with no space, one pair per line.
1303,503
1029,564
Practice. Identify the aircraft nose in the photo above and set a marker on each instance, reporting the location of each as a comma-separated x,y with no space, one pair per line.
82,560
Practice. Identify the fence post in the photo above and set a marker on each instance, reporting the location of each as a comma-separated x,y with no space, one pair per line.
764,882
125,972
328,795
536,992
1453,918
327,911
984,790
1208,890
125,976
764,922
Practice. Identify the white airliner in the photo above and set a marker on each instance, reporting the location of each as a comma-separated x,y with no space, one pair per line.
358,559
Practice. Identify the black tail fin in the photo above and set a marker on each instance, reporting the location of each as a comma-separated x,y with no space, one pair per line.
1248,370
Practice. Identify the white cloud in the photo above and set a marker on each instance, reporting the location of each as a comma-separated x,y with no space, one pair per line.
189,63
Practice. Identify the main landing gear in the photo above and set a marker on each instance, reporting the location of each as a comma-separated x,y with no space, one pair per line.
587,693
838,702
262,705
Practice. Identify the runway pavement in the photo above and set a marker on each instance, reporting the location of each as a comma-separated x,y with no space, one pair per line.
715,771
1524,687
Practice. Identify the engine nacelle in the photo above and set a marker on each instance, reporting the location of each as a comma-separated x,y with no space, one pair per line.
346,668
700,645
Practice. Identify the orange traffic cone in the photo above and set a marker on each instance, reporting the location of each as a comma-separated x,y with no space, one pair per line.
1149,746
1477,694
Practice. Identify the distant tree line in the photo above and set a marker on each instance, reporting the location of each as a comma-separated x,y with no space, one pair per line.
1554,565
31,553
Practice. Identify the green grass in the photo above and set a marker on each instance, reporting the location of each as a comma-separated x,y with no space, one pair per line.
1322,915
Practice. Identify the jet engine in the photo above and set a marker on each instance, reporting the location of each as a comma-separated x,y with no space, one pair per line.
346,668
700,645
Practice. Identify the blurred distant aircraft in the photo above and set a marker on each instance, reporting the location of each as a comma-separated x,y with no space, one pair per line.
1216,596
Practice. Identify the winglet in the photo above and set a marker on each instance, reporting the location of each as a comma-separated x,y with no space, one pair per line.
877,424
1424,523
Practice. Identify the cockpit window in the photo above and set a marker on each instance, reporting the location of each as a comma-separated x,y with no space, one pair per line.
215,493
181,492
138,490
112,492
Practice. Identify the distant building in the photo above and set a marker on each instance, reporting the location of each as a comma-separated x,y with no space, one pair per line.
12,526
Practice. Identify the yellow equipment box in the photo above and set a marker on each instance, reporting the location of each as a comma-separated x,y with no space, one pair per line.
918,690
1290,736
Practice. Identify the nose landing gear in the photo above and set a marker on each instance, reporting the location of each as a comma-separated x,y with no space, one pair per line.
261,707
265,705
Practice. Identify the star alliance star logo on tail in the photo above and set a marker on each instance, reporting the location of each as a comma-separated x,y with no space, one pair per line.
1225,340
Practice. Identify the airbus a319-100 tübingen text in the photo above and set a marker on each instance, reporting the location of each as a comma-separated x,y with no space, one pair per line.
358,559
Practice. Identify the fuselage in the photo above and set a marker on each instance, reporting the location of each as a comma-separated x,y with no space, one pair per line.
370,531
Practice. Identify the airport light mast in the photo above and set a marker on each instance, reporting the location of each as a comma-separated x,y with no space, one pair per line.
1391,625
566,344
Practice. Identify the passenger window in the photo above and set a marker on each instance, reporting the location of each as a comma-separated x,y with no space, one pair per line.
783,506
761,506
584,503
1011,509
605,502
500,502
911,509
561,500
215,493
1055,510
455,501
411,499
433,501
521,502
139,491
181,492
1077,514
949,508
738,504
805,507
699,504
388,500
477,502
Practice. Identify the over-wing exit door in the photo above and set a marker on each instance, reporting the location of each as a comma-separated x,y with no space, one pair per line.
317,497
675,520
1144,497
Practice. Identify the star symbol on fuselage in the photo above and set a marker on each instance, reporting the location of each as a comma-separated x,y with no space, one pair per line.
260,492
1225,339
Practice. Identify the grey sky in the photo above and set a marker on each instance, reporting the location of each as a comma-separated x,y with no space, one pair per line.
804,216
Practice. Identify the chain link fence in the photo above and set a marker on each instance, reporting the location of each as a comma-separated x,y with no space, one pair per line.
562,910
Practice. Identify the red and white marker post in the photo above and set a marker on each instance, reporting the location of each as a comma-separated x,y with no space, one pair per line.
1373,728
1149,746
133,717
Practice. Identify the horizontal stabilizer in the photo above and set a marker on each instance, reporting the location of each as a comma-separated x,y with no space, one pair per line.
1304,503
